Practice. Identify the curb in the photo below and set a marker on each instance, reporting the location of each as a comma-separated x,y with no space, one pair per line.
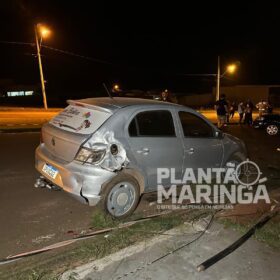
98,265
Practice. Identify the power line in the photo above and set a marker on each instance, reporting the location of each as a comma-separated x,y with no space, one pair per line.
104,61
198,75
199,235
77,55
60,51
17,43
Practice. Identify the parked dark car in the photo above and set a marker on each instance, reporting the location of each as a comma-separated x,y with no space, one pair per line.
269,122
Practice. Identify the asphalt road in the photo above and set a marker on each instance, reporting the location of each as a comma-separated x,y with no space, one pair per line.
31,218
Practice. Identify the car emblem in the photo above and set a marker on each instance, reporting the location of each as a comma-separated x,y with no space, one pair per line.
53,141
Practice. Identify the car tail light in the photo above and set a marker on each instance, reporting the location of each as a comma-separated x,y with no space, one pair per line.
90,156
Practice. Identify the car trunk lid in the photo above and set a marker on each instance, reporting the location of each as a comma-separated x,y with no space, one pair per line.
68,130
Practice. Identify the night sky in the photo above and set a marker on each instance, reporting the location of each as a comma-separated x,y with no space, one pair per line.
141,45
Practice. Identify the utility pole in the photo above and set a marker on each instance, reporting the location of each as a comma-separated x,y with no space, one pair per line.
218,80
41,68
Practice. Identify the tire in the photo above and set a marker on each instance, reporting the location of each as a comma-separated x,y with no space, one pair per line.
120,196
272,129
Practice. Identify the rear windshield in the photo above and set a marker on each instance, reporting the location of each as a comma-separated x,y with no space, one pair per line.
79,119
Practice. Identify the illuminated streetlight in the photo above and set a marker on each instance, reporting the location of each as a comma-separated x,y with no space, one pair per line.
42,32
231,68
116,88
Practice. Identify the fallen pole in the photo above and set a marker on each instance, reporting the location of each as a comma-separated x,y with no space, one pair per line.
19,256
237,243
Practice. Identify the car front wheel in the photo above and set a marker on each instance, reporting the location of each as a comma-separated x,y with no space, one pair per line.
272,129
120,197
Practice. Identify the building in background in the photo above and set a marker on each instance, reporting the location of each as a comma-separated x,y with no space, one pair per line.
255,93
8,88
12,93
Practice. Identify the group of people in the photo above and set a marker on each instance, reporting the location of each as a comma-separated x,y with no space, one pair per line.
245,111
225,110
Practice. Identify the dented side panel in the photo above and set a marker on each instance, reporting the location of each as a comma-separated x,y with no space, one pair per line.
106,140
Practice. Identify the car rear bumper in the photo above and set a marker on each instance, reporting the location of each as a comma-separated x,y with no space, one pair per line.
83,182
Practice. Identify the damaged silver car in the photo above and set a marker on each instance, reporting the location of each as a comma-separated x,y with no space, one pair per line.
106,151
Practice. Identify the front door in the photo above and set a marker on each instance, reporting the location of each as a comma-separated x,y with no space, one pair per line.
201,148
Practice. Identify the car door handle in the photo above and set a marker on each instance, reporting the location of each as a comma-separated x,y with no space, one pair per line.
190,151
143,151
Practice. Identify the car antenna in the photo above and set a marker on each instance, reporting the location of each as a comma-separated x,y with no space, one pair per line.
108,92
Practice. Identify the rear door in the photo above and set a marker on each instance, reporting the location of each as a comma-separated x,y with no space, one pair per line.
155,143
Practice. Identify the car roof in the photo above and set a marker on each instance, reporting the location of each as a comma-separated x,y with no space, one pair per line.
117,103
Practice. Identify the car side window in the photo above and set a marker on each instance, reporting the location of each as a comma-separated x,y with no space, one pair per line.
194,126
152,124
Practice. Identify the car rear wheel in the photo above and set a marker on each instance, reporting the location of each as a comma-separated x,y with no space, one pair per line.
272,129
120,196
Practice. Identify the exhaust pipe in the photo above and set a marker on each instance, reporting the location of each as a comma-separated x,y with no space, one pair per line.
42,182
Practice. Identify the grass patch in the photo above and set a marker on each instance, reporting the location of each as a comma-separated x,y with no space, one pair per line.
269,233
50,265
101,220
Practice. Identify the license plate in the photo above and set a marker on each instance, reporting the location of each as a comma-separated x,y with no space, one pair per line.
50,170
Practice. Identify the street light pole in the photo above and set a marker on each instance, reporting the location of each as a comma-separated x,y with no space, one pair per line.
41,68
218,80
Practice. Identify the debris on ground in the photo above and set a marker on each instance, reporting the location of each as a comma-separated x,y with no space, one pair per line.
43,238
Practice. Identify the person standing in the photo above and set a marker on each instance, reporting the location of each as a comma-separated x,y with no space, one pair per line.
269,108
250,103
221,107
228,109
165,96
232,110
262,107
240,111
248,114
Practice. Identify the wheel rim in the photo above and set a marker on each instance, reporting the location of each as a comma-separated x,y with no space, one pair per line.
121,198
272,129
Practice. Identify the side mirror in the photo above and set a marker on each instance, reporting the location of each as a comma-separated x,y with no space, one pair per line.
219,134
